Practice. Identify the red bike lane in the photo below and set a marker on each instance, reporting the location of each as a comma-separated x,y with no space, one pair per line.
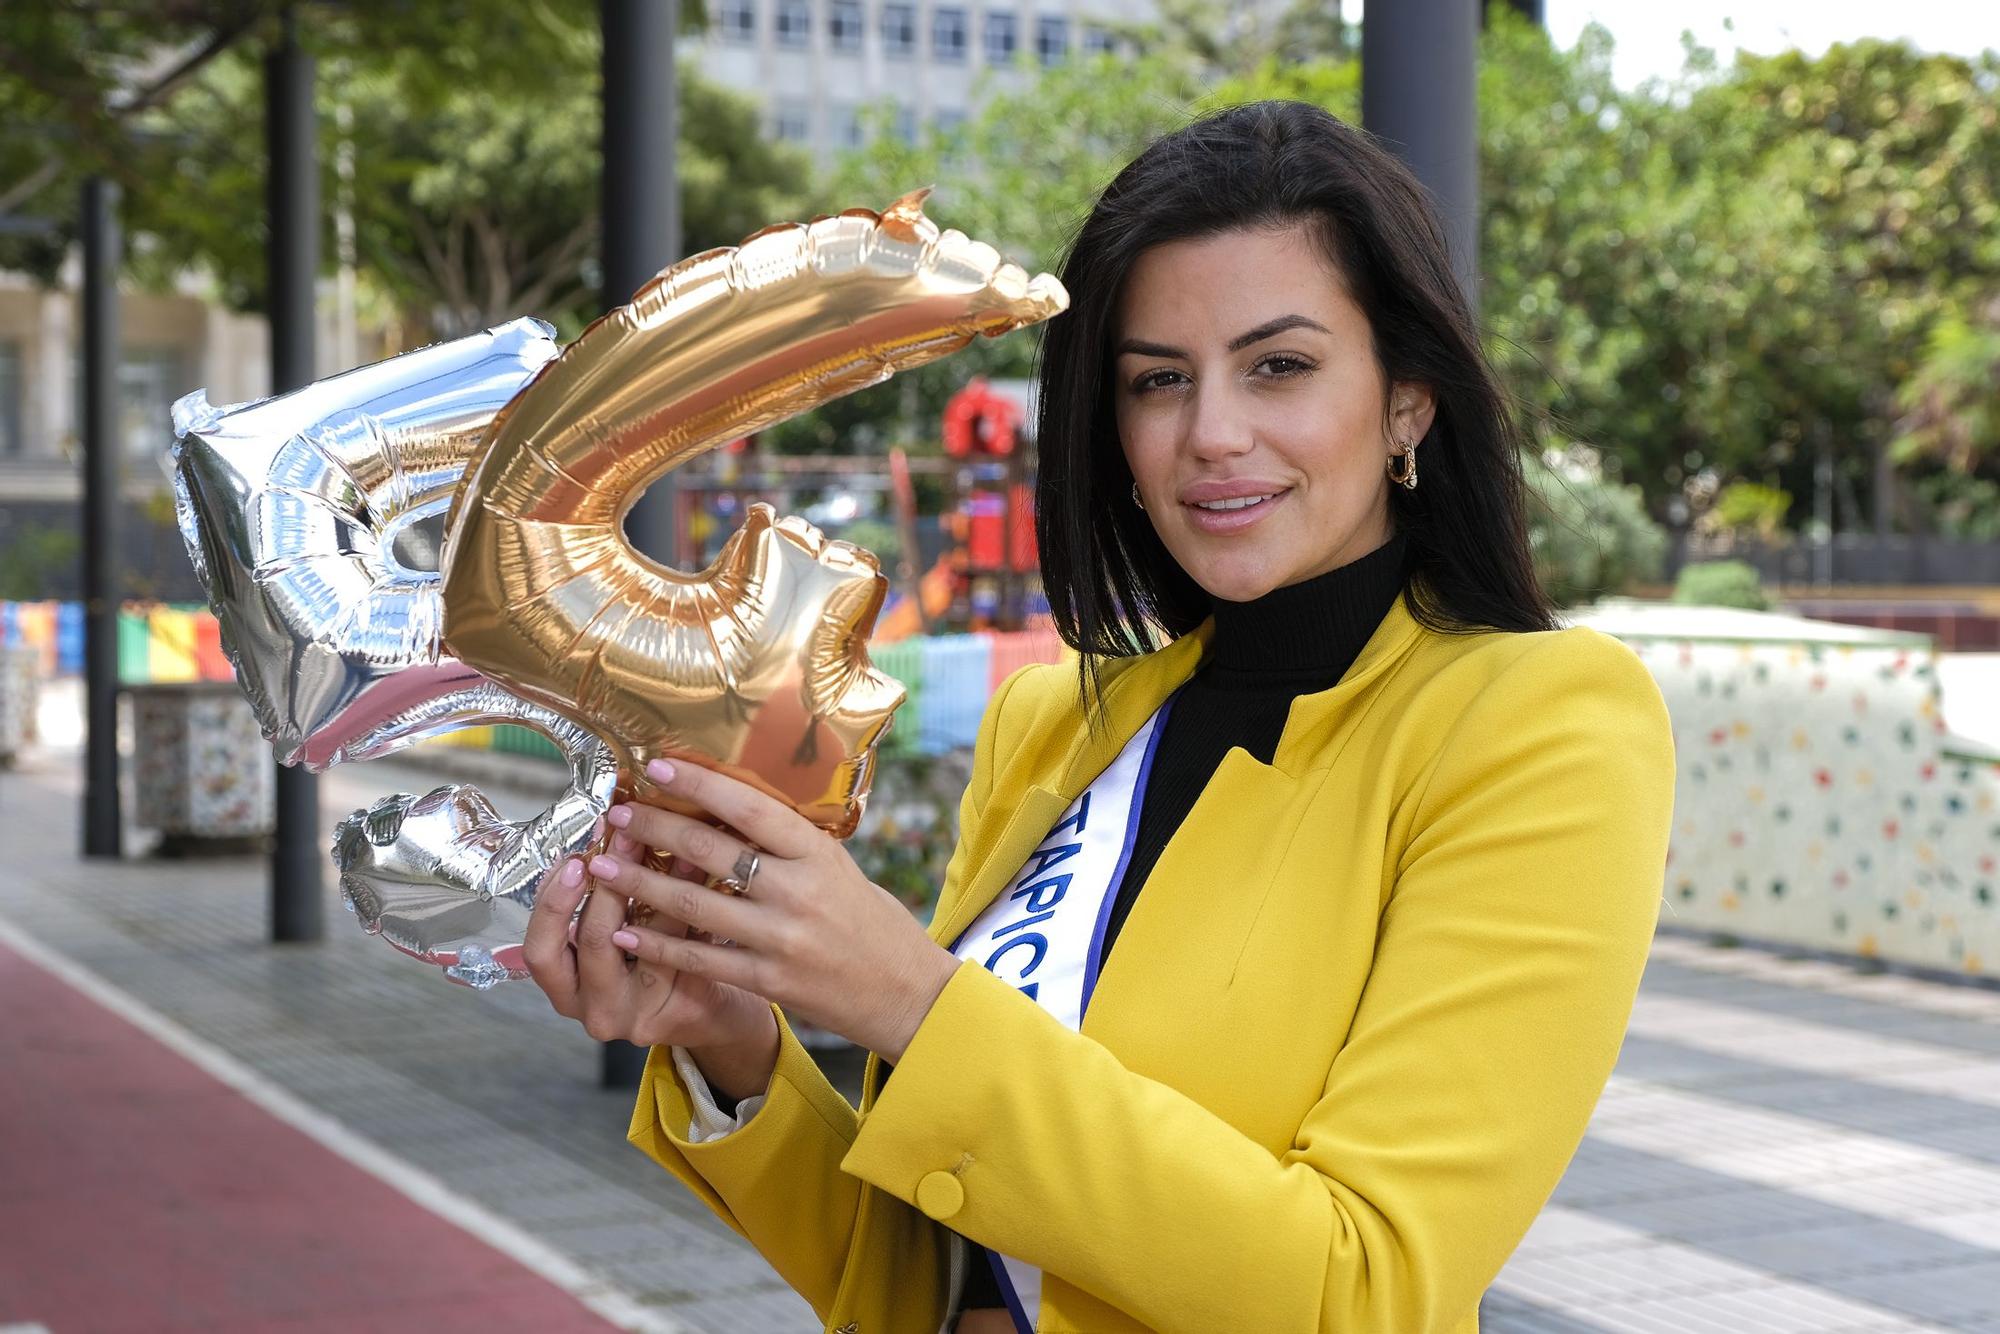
140,1193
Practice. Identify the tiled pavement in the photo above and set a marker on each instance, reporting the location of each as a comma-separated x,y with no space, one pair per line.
1787,1145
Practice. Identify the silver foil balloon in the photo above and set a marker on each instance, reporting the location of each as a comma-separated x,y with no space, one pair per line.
314,521
445,878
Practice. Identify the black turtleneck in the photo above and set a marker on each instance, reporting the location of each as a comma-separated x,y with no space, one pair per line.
1292,641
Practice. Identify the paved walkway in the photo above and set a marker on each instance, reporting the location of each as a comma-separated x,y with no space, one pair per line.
144,1193
1787,1145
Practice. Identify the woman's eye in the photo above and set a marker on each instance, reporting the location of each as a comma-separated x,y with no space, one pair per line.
1283,366
1279,366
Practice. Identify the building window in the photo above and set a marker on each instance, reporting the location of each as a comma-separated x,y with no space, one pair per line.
905,125
1001,37
149,380
794,25
899,30
1052,39
948,35
1097,40
791,121
846,25
738,20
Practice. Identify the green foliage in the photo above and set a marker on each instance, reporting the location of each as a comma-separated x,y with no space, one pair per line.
1232,40
35,558
1951,403
876,536
466,144
911,825
1750,507
1703,277
1591,536
1721,583
1960,507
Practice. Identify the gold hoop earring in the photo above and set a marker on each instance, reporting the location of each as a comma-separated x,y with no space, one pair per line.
1407,479
1135,496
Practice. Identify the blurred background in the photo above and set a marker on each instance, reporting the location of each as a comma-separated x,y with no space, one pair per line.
1739,266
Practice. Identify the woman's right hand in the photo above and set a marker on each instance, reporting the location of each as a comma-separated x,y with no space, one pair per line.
589,978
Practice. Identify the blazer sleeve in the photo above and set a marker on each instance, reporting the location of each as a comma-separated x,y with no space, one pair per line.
778,1180
1508,958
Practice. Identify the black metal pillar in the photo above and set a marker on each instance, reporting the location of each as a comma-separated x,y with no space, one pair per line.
641,195
641,230
293,253
103,821
1419,87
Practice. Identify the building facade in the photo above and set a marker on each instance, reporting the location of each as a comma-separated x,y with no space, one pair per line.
817,67
171,343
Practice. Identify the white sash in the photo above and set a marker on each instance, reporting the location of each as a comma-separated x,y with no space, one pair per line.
1045,931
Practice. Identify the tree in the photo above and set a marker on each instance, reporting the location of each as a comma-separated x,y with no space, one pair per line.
474,161
1951,401
91,84
474,204
1708,277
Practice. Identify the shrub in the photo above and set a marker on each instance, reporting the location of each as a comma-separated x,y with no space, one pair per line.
1590,535
1721,583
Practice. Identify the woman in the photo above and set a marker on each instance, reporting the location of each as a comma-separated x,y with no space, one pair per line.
1378,847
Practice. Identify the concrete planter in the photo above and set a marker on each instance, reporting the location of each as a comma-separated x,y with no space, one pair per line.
201,767
20,687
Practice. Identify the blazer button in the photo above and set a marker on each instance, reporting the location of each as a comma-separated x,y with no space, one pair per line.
940,1195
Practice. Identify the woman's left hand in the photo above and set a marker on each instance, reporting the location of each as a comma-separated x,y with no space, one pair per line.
812,933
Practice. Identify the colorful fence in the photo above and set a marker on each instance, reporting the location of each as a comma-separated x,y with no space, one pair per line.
948,677
157,642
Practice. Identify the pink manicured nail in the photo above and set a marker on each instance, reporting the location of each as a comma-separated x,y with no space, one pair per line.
625,940
572,873
619,816
660,771
604,868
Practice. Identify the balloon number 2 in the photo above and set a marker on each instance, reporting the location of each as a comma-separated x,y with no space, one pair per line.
306,515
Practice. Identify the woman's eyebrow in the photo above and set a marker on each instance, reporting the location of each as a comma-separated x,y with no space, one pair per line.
1268,329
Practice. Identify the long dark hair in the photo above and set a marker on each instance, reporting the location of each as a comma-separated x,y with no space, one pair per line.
1467,564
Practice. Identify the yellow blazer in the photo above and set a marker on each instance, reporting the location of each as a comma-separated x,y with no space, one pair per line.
1348,1041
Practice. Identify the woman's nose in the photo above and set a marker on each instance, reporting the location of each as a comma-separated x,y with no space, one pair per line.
1217,426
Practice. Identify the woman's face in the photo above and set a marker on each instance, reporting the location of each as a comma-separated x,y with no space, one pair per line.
1242,368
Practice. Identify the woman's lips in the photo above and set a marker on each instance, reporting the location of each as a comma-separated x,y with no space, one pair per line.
1236,520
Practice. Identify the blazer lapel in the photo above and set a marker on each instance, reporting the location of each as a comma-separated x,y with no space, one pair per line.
1033,817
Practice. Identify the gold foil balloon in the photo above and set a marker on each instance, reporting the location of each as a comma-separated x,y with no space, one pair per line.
757,665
